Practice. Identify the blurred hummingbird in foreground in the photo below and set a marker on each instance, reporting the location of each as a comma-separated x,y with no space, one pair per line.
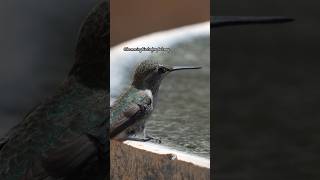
130,111
66,136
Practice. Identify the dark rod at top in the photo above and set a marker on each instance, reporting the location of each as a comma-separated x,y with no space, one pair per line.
220,21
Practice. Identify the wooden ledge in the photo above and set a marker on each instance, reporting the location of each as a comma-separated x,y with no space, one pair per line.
141,160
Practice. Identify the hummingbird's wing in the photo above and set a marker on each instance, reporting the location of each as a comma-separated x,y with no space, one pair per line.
78,154
127,118
66,159
130,115
62,162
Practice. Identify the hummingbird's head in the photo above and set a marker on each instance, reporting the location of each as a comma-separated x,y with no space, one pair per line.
92,49
149,74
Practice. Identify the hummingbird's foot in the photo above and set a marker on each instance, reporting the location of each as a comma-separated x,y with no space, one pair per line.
156,139
145,139
139,139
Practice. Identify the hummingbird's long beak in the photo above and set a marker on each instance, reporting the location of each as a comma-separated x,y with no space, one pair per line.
177,68
220,21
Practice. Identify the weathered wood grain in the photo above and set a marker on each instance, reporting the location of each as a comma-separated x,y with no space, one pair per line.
128,163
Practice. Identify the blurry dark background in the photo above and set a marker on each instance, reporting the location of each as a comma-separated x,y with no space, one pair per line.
37,41
266,92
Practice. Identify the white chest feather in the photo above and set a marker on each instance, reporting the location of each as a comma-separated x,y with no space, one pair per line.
149,93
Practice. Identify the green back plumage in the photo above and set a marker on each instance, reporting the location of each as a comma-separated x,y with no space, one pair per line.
75,110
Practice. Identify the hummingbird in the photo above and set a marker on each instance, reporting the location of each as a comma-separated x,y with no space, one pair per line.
130,111
65,137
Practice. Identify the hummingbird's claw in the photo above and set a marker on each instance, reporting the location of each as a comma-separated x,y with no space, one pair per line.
156,139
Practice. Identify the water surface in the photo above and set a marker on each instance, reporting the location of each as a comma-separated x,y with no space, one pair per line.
182,116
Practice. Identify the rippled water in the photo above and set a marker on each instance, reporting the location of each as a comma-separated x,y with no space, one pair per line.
182,116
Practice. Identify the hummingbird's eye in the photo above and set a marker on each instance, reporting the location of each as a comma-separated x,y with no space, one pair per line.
162,70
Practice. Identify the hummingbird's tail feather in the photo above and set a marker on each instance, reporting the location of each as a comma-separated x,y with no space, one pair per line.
220,21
